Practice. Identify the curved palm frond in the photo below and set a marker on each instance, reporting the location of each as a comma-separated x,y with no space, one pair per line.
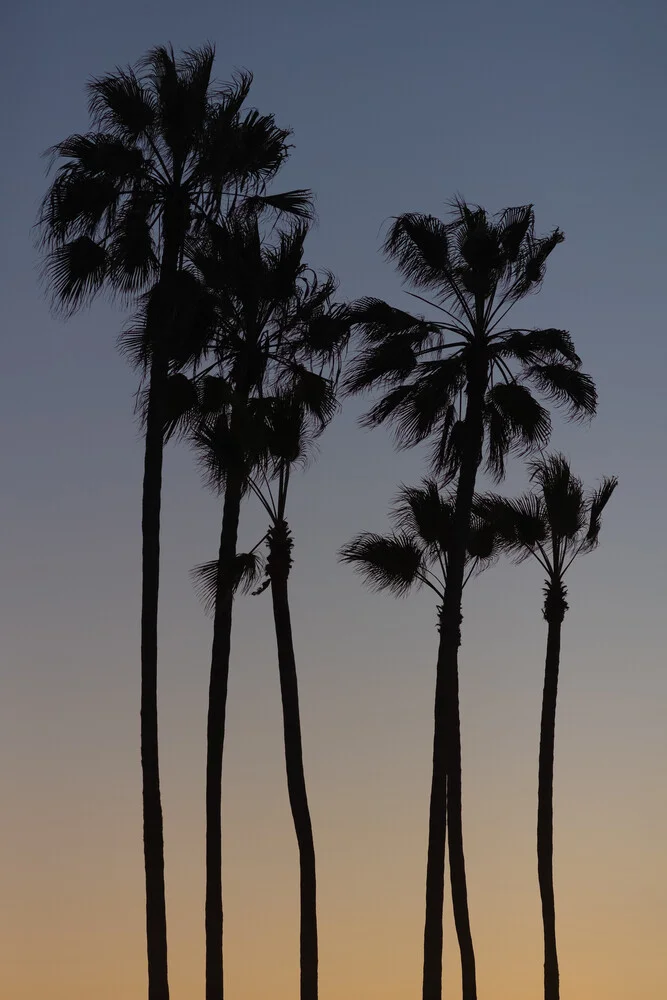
392,562
515,421
563,495
597,502
531,346
519,523
247,570
422,512
565,386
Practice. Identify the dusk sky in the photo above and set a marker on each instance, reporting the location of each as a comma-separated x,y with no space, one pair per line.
394,107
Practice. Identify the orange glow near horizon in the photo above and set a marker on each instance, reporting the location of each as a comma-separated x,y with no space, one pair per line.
72,890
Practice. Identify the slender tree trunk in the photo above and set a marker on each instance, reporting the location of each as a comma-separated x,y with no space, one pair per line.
437,829
457,870
156,917
446,737
215,736
554,612
279,563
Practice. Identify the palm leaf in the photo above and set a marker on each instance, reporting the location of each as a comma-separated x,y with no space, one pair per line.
75,271
419,245
565,386
386,562
247,569
597,502
515,422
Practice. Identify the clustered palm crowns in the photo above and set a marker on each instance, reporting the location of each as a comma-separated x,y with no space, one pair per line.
476,267
415,553
277,339
168,150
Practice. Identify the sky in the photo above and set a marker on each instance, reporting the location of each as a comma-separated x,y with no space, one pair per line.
395,107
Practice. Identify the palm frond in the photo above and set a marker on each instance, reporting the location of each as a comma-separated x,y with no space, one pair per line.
529,346
424,513
533,259
75,271
519,523
383,364
419,245
246,571
563,495
297,203
181,405
515,421
121,105
565,386
418,408
597,502
385,562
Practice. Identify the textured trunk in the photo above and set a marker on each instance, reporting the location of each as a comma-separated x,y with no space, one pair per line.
156,917
279,564
554,612
446,738
215,735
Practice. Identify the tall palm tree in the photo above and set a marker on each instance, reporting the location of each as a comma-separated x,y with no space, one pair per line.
554,524
167,150
275,325
289,432
463,381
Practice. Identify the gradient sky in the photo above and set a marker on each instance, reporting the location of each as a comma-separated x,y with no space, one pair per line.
394,106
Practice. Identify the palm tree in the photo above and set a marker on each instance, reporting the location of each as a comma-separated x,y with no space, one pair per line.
554,524
276,325
167,151
289,432
463,382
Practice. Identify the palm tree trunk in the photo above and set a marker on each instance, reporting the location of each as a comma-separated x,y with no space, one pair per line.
215,735
437,829
279,563
156,917
446,794
545,801
457,870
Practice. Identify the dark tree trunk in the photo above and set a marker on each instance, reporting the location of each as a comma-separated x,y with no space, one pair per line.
437,829
446,737
457,870
279,563
215,734
554,612
156,916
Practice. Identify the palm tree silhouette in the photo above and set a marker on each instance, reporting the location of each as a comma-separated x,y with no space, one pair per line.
554,524
168,150
289,430
276,326
463,382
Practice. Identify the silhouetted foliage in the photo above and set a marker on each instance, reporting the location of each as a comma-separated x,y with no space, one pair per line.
554,523
466,383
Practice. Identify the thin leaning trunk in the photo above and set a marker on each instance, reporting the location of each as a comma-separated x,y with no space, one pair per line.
545,808
156,917
457,870
279,563
215,736
446,737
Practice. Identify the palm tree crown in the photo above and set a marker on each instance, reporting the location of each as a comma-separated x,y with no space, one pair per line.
554,523
476,267
167,149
